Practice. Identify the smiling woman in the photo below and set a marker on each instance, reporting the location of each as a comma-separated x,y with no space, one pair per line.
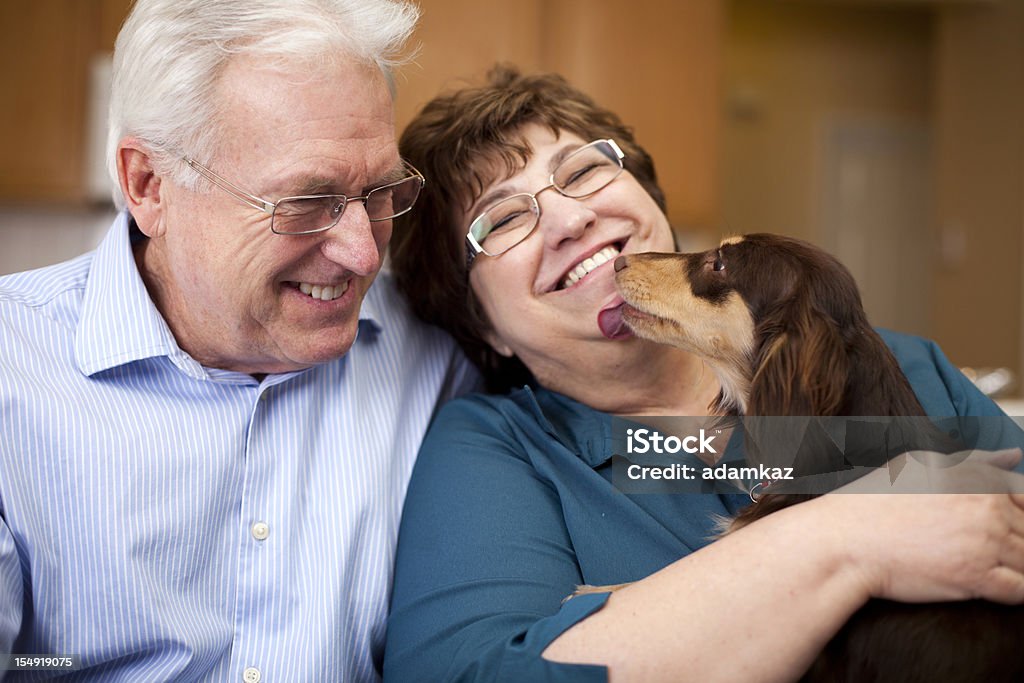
512,502
470,160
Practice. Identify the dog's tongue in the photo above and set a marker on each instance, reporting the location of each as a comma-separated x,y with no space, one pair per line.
611,323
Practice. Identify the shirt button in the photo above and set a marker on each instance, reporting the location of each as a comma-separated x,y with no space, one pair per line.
251,675
260,531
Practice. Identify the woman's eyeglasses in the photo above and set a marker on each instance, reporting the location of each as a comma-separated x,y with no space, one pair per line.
507,223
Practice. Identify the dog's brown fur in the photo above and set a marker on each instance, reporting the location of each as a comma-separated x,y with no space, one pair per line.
781,324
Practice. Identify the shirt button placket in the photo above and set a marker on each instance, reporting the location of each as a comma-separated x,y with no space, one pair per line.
260,531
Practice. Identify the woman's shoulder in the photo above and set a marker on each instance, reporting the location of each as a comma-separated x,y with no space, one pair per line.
939,385
518,403
527,423
479,419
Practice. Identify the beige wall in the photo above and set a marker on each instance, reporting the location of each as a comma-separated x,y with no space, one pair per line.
790,68
953,70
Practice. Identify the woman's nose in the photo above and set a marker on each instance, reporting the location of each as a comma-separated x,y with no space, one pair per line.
563,218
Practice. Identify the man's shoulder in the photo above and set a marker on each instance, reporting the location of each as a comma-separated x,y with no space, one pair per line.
419,353
386,307
54,291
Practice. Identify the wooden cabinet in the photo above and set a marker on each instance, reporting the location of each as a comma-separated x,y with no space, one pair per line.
655,62
46,49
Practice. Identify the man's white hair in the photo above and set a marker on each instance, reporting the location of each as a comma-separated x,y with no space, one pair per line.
169,54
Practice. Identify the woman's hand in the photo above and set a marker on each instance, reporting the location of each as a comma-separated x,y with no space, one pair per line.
961,536
804,570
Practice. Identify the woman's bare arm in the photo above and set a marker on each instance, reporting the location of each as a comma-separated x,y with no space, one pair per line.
762,602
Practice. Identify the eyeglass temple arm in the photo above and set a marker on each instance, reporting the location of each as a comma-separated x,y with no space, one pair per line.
472,250
616,148
240,194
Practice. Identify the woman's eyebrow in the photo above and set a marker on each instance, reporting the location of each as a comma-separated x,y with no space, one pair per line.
500,193
485,201
560,156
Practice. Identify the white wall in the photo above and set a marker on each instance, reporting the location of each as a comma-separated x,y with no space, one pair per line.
30,238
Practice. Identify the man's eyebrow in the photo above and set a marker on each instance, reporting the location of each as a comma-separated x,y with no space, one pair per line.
301,185
397,172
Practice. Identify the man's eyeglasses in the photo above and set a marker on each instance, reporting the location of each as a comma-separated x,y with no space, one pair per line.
507,223
310,214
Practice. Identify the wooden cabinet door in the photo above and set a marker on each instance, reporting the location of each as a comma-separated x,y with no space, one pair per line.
45,49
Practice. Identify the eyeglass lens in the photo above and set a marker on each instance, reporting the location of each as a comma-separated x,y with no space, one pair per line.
580,174
296,215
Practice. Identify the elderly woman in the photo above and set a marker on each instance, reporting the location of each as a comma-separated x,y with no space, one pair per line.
532,191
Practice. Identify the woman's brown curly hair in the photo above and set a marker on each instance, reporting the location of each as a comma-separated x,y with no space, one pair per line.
455,141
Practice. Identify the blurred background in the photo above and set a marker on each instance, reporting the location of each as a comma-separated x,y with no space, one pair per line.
890,132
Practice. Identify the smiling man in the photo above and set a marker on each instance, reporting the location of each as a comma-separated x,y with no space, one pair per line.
209,422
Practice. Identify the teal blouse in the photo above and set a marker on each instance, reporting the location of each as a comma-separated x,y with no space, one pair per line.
511,506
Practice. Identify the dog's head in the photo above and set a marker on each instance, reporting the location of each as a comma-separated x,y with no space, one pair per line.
779,320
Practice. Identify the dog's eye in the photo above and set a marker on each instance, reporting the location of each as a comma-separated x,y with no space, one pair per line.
718,265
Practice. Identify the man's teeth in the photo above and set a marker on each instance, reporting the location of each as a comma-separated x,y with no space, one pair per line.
323,292
589,264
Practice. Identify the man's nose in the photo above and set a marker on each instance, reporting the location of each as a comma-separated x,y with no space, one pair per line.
353,242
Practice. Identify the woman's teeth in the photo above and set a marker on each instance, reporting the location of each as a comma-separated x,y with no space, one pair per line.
323,292
589,264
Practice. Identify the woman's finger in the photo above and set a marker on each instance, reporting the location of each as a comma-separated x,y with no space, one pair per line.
1011,553
1006,459
1004,585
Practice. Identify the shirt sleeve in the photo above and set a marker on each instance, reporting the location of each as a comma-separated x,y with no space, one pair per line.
986,425
11,590
944,391
484,561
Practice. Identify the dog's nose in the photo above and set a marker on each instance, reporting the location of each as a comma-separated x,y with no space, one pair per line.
620,263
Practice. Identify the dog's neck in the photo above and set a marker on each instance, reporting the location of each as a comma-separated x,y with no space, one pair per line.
735,389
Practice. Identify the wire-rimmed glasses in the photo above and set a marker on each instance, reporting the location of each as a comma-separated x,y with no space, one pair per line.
505,224
309,214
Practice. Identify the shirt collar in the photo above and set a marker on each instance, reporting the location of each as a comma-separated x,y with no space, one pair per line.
578,427
590,433
120,323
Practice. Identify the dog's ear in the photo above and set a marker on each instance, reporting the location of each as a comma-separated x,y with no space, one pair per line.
801,365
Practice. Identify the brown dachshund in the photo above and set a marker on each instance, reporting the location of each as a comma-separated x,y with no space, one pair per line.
781,324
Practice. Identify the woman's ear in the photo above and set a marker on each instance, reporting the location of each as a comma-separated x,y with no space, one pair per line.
140,185
496,343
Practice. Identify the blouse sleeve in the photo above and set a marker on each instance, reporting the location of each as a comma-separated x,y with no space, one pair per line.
945,392
484,561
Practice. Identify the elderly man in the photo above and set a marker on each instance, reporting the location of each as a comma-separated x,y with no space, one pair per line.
209,422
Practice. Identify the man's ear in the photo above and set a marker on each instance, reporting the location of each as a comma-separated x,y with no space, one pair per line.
140,185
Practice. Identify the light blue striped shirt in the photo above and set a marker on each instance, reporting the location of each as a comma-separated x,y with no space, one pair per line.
167,521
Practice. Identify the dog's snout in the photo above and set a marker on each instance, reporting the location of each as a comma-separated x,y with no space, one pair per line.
620,263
